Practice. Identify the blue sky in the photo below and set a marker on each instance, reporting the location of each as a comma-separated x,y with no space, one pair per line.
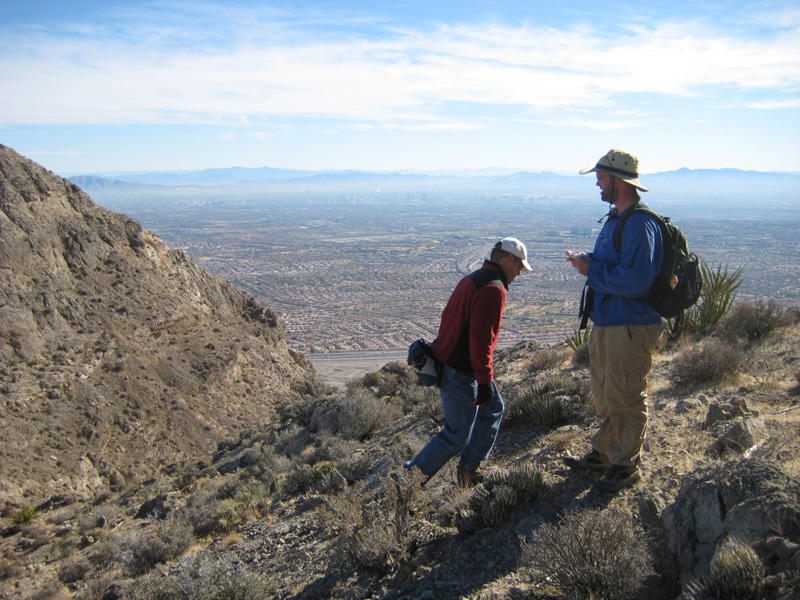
104,86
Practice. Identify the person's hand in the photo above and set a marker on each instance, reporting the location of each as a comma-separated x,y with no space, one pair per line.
484,395
580,261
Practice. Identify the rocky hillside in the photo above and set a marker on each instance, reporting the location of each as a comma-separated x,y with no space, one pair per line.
118,356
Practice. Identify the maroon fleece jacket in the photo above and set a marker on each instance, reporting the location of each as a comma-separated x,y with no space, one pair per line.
471,322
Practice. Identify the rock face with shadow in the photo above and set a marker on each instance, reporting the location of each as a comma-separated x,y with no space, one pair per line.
118,355
753,501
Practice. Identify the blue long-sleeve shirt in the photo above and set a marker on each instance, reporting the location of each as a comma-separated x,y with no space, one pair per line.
618,278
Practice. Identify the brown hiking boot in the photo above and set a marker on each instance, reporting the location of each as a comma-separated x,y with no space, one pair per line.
468,478
616,478
594,461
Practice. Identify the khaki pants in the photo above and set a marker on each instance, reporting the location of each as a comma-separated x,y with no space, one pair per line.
619,361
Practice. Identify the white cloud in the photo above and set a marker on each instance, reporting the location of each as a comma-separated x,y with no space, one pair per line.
263,65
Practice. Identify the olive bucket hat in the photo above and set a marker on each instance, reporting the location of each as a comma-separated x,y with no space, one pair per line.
619,164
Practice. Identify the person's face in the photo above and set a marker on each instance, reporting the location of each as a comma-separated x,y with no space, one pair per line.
512,267
606,184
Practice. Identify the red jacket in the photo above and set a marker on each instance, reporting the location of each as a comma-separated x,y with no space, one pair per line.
471,322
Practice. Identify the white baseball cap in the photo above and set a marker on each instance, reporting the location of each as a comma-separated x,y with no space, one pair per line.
514,246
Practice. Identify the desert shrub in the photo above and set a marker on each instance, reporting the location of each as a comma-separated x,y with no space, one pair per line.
709,361
592,554
736,573
751,321
353,467
546,358
26,514
490,502
200,577
201,511
322,477
74,570
360,414
414,396
374,529
172,535
266,464
716,299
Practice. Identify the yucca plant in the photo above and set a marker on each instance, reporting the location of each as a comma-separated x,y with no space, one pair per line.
716,299
579,337
24,515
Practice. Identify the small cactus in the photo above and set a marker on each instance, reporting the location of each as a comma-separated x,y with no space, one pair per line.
737,572
490,502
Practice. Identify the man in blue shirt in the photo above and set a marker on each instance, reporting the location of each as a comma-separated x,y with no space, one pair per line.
625,331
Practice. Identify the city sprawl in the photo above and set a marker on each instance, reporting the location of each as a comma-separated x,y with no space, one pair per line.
372,272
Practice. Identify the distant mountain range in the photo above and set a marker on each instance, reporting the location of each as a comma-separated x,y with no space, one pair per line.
680,183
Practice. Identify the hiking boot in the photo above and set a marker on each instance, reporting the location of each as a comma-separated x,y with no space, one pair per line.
468,478
616,478
594,461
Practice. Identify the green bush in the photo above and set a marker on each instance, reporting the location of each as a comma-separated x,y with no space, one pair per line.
592,554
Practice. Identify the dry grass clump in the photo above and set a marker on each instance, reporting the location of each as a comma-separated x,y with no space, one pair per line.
592,554
374,529
502,491
736,574
709,361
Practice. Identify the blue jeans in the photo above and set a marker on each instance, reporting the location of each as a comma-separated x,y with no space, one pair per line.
468,429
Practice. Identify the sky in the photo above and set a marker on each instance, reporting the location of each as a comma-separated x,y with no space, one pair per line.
104,86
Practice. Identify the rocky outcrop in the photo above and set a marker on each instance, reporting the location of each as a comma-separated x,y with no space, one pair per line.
752,501
118,355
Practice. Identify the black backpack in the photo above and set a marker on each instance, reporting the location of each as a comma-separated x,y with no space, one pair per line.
678,285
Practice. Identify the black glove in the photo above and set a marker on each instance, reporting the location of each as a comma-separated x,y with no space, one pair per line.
484,394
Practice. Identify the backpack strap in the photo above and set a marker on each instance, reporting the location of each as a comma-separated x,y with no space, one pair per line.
640,208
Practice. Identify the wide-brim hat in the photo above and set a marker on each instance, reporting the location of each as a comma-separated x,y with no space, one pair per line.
619,164
514,246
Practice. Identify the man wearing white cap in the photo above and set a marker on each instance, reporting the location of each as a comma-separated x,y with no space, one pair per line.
625,330
470,324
